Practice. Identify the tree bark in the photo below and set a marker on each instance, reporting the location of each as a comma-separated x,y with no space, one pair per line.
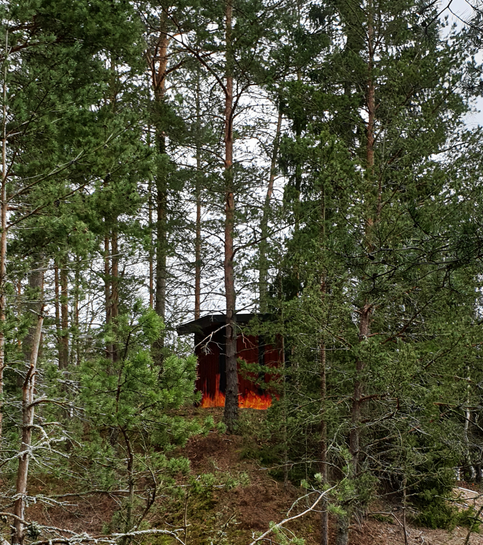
28,413
231,393
158,63
324,515
64,316
198,201
365,311
263,264
355,433
34,305
77,288
57,308
3,236
107,291
151,247
115,288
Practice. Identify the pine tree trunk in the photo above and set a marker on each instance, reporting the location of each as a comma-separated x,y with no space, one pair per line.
161,238
158,63
151,247
263,264
35,304
28,412
115,289
231,393
77,288
342,533
324,515
64,316
57,308
3,237
355,434
365,311
198,201
107,290
198,254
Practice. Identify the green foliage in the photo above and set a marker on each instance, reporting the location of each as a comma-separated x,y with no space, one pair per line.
140,391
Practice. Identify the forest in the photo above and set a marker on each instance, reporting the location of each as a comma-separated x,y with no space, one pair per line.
308,163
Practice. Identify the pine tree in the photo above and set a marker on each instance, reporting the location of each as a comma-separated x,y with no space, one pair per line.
390,97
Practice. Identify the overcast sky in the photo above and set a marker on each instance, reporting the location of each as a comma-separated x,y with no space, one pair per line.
459,11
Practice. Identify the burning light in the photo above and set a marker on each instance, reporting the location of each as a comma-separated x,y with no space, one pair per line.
247,400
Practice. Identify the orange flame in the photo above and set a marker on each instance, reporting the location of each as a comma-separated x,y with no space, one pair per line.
248,400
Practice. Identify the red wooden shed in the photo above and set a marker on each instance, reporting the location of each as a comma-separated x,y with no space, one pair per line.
209,334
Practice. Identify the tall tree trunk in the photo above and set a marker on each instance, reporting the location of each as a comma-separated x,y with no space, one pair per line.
198,253
231,393
76,324
151,247
324,515
64,316
3,235
34,305
57,308
198,201
355,433
107,290
372,217
115,289
111,287
158,63
263,264
128,523
365,311
28,412
61,314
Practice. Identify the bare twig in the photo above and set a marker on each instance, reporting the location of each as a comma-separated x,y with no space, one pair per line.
289,519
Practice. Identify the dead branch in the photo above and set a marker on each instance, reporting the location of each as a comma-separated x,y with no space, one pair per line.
289,519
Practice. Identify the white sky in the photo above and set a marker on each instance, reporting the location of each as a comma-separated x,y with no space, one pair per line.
461,10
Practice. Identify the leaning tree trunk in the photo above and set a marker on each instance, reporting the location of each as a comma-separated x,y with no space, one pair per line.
28,413
34,305
231,393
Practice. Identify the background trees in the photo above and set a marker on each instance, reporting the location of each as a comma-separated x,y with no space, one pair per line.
309,161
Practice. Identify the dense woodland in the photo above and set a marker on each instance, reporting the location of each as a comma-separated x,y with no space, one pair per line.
306,161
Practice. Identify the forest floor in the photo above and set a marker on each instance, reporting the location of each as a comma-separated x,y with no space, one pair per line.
236,514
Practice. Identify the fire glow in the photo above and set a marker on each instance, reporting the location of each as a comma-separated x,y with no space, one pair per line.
247,400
